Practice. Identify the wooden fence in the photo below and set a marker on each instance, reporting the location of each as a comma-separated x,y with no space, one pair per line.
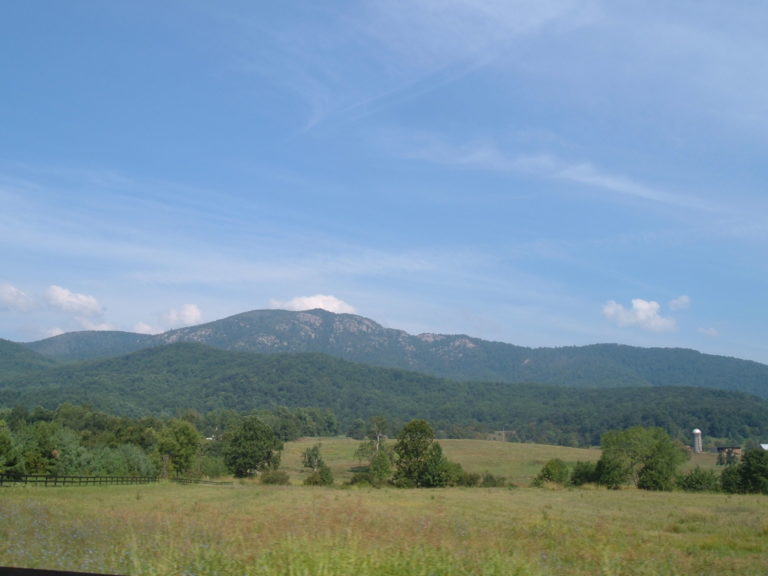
46,480
180,480
51,481
8,571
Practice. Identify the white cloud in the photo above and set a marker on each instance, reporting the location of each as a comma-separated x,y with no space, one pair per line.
12,297
72,302
324,301
643,313
144,328
711,332
187,315
680,303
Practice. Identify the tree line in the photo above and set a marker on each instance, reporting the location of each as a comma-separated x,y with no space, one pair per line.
649,459
79,440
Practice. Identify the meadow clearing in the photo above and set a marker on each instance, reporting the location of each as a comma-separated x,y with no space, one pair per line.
247,528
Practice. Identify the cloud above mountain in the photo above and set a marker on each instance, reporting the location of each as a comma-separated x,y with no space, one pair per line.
644,314
69,301
12,297
186,315
324,301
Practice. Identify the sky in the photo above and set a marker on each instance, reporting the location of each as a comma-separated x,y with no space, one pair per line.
538,172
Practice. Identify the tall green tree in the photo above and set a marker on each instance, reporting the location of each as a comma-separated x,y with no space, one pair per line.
419,461
750,476
10,458
251,448
645,457
179,443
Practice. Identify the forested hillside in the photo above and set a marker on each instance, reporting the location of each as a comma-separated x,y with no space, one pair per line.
18,359
87,345
167,380
457,357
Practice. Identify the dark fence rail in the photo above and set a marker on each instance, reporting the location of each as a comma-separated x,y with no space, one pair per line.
7,571
51,481
180,480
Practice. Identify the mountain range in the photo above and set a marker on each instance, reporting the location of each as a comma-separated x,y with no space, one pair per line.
354,368
458,357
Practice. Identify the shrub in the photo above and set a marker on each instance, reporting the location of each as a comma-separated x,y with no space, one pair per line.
363,478
491,481
321,477
470,479
555,471
275,477
584,473
730,480
698,480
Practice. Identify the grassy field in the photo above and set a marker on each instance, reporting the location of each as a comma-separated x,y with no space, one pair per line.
519,463
248,528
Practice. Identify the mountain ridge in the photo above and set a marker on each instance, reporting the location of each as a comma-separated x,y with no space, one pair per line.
176,378
459,357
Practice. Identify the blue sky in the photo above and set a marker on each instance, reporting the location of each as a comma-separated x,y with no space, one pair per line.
545,173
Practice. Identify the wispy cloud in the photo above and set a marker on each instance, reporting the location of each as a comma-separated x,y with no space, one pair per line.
680,303
12,297
89,324
487,156
347,66
69,301
431,34
86,309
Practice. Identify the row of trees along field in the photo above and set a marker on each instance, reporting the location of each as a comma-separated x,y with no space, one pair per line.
649,459
78,440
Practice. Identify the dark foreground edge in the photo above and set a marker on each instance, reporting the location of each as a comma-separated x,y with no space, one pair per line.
7,571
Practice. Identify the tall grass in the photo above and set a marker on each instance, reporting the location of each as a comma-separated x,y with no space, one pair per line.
247,528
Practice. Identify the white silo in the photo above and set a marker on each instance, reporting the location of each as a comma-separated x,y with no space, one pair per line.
697,441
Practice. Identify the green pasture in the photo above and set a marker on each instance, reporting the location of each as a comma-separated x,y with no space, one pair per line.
518,463
247,528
